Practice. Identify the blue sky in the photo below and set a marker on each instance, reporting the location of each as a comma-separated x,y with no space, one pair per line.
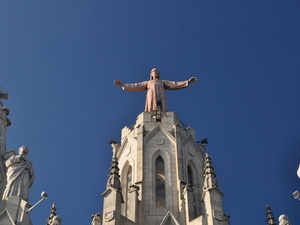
58,61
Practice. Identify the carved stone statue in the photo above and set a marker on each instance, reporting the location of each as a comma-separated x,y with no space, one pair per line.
20,175
284,220
96,219
56,220
155,88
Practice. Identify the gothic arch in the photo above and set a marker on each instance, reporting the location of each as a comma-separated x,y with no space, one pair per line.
124,168
168,191
126,182
192,172
193,178
160,183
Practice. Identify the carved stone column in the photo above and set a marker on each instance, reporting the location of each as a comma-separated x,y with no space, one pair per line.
133,214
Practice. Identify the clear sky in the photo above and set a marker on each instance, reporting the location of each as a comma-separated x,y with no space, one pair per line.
58,60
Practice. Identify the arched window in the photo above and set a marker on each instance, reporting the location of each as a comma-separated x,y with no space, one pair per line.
190,176
129,183
160,183
129,177
191,181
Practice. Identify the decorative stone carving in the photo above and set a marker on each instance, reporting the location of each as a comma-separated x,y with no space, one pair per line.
3,95
56,221
96,219
284,220
108,216
53,219
159,141
133,188
20,175
217,215
155,88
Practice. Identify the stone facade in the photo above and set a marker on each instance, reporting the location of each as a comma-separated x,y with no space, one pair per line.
160,170
14,211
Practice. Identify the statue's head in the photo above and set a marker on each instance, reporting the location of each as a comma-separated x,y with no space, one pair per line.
23,150
154,74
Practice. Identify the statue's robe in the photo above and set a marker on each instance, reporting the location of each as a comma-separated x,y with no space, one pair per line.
155,91
20,176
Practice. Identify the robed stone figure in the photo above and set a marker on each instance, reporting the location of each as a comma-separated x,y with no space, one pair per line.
20,175
155,88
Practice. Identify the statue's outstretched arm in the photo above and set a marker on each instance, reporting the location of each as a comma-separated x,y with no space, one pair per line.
136,87
119,83
193,80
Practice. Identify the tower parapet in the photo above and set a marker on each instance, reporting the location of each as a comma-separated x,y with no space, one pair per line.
161,170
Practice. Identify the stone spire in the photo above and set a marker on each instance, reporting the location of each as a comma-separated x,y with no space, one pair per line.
210,180
113,198
4,122
51,214
53,219
269,214
114,177
212,196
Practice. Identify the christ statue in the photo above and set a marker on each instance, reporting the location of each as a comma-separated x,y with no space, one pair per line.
155,88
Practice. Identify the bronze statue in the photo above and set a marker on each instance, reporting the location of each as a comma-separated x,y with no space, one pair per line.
155,88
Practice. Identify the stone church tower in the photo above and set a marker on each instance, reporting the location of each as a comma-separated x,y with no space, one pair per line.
160,175
13,208
4,123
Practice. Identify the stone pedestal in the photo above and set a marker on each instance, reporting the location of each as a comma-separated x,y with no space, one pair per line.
13,211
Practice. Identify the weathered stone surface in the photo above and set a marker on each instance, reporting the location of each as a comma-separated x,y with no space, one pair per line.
14,211
96,219
183,174
20,175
